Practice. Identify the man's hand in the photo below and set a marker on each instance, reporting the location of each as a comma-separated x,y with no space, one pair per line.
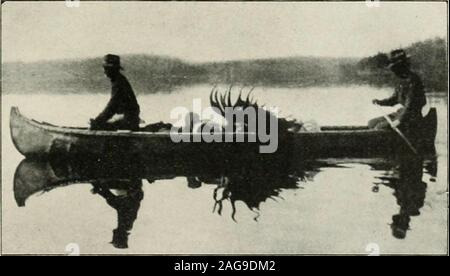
93,124
395,123
95,190
376,102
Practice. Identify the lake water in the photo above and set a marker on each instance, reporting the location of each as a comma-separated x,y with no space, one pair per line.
343,206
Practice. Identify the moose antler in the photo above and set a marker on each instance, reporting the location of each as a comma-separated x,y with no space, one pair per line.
220,102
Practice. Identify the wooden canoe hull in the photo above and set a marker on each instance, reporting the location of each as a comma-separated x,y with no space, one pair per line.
36,139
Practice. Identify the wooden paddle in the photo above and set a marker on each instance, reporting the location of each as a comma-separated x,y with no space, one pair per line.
391,123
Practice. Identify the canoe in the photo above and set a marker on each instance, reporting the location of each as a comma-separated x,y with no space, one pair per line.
39,139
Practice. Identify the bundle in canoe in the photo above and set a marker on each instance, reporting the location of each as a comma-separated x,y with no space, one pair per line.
33,138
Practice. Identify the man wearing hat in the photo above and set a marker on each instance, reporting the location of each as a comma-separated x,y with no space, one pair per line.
409,93
122,110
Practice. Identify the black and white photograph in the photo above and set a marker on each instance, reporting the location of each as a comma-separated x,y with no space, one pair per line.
224,128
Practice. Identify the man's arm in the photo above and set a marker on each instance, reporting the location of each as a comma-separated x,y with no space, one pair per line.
391,101
109,110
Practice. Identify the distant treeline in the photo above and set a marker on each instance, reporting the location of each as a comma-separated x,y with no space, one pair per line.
428,59
149,74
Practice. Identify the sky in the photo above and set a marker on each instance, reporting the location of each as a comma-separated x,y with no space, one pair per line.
200,32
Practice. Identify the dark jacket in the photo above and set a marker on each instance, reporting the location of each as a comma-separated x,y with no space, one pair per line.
123,101
409,93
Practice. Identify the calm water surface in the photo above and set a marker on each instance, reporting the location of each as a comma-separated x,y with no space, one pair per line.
335,206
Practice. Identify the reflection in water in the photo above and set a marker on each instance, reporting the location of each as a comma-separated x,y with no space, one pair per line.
249,181
409,189
125,196
252,188
120,182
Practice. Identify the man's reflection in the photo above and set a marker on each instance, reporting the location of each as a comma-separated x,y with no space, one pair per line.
409,191
125,196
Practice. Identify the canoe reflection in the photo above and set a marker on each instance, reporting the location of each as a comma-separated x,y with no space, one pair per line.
252,182
120,183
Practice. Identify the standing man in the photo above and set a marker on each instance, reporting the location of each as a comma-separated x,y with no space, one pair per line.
409,93
122,110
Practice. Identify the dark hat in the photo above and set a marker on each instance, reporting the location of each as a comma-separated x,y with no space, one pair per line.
396,57
120,239
399,226
110,60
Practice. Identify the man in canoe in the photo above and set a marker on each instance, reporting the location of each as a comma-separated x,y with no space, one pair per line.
409,93
122,110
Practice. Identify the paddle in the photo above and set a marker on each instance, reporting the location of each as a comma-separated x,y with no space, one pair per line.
391,123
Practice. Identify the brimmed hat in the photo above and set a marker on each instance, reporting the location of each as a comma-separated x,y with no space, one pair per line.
396,57
110,60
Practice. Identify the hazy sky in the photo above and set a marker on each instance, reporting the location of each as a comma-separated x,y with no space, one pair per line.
214,31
